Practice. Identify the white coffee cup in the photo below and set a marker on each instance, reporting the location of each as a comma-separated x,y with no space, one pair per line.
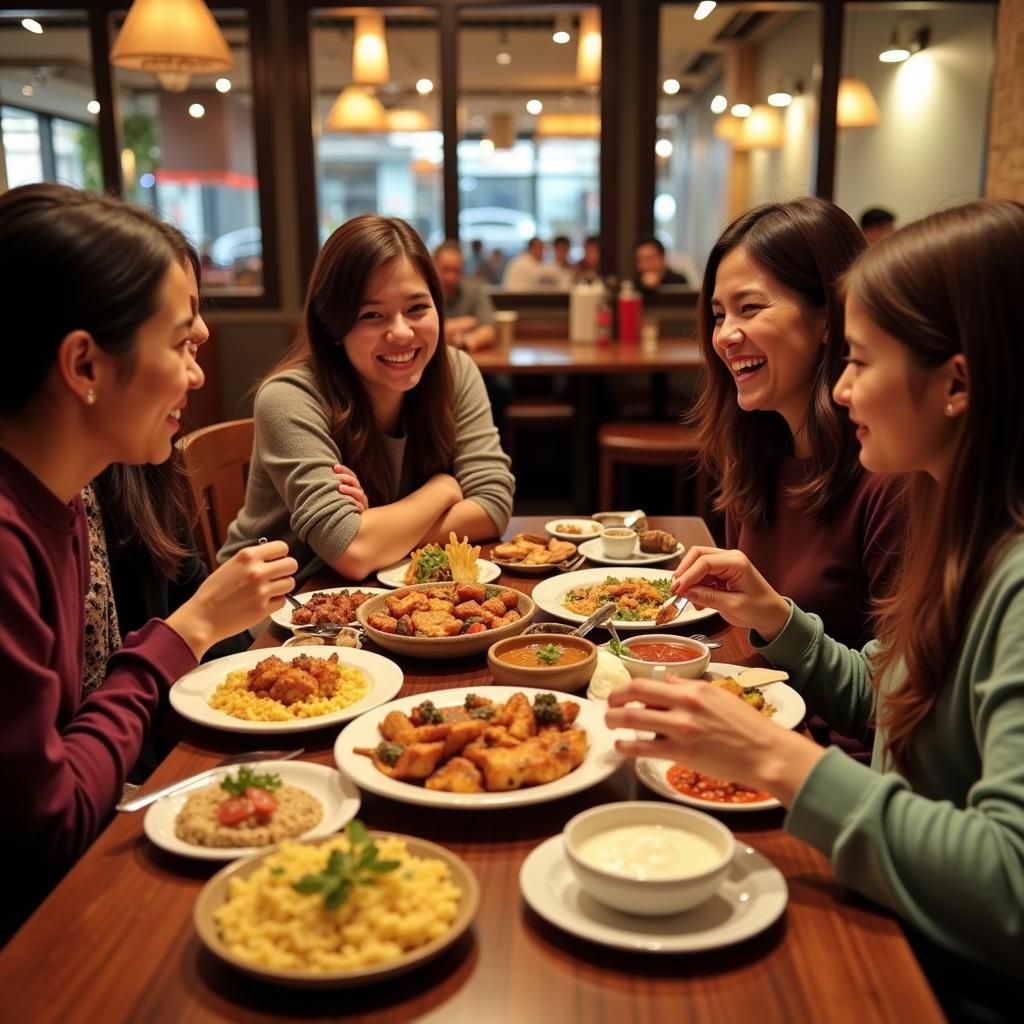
618,542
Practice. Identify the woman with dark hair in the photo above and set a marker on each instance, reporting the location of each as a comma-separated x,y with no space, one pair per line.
936,830
369,388
100,307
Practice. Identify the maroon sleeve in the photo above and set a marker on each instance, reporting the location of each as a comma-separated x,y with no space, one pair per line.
883,529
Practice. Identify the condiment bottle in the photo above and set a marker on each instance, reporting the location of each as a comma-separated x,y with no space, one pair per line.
630,308
603,319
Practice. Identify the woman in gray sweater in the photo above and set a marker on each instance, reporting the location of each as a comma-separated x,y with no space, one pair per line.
372,396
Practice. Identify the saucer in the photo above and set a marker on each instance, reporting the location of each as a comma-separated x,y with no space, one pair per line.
595,553
752,897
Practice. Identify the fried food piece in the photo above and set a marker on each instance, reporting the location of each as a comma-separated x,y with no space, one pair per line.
469,592
509,552
529,764
397,727
460,735
560,550
415,762
729,684
290,683
531,538
498,736
437,604
573,742
658,542
405,626
459,775
495,606
405,602
517,717
507,619
435,624
385,623
472,610
510,599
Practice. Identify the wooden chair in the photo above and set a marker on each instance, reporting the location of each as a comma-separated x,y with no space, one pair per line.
217,460
652,444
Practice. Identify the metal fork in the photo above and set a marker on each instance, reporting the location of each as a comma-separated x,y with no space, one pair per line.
571,564
703,639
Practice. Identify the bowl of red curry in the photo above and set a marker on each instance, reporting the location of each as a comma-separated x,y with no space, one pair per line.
677,655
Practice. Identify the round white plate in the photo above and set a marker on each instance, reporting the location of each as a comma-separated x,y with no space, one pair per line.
548,596
590,527
790,708
283,615
394,575
190,695
338,796
595,553
752,897
600,762
651,772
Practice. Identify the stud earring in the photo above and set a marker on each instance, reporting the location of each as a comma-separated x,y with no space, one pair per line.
949,409
90,397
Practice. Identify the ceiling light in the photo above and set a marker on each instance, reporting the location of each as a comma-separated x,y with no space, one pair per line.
670,86
780,98
663,147
504,54
196,110
740,109
588,49
561,34
93,106
356,110
370,51
534,106
856,106
424,86
407,119
900,49
894,53
486,148
32,25
173,39
719,104
762,129
27,90
222,85
704,8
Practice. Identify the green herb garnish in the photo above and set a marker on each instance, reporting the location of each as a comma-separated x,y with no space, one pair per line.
248,779
389,753
549,653
431,559
482,711
616,646
277,871
546,708
490,592
344,871
428,713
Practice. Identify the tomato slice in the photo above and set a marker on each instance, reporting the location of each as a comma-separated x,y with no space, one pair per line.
235,810
264,803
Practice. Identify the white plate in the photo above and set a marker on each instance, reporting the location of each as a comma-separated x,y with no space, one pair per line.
590,527
338,796
394,575
752,897
651,772
190,695
283,615
595,553
548,596
600,762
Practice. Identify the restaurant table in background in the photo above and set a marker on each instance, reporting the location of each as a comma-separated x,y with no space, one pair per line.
115,941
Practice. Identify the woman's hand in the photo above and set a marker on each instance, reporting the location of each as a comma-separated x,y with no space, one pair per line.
727,582
242,592
710,730
349,485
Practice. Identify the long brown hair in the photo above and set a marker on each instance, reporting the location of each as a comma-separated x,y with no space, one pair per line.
806,244
945,285
336,292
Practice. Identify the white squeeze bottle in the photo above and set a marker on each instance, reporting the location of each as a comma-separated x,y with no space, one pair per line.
584,302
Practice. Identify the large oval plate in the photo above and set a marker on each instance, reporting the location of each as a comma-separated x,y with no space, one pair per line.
215,892
394,575
548,596
601,760
283,615
190,695
337,795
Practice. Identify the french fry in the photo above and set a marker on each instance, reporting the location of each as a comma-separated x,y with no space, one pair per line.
462,559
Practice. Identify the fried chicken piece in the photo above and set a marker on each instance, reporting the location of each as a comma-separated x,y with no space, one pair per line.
510,599
415,762
560,550
517,717
291,683
460,735
573,742
441,594
498,736
507,619
436,604
457,776
405,602
531,538
322,607
405,626
536,556
469,592
470,610
495,606
659,542
385,623
435,624
529,764
397,727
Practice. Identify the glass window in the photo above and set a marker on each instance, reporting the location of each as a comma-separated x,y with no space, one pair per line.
49,114
529,147
190,156
376,122
917,85
737,118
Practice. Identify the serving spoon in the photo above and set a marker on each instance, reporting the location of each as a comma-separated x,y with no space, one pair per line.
599,618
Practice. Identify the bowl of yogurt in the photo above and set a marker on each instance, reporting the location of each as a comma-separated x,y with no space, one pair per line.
648,858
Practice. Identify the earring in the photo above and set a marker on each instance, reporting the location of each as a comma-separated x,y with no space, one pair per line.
949,409
90,397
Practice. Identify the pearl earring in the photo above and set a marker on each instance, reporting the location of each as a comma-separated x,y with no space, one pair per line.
90,397
949,409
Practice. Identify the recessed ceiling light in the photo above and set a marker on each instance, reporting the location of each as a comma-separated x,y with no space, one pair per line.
663,147
93,106
424,86
704,8
222,85
670,86
27,90
740,109
534,106
32,25
780,98
719,104
196,110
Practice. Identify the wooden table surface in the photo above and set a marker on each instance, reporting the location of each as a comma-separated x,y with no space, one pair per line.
543,356
115,941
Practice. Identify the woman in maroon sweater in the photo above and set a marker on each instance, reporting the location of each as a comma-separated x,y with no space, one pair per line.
98,309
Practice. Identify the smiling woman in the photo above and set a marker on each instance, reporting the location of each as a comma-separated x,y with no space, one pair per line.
369,396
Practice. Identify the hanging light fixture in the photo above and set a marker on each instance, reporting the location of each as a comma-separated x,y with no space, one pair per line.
504,54
503,130
588,50
760,129
902,48
408,119
370,51
572,126
356,110
562,32
857,106
728,127
173,39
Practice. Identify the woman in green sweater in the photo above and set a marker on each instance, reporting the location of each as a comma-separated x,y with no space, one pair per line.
934,829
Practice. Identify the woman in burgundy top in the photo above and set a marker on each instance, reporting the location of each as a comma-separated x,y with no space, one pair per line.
795,497
100,363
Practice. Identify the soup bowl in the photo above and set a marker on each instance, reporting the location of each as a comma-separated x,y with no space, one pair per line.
514,661
647,652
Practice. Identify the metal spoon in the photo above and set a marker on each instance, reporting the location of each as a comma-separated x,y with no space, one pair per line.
632,519
599,618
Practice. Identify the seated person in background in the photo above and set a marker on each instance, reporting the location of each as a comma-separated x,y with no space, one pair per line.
589,267
369,384
561,246
528,273
481,267
468,310
934,829
877,224
652,271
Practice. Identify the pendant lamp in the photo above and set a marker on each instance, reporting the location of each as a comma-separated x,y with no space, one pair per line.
588,50
357,110
370,51
857,106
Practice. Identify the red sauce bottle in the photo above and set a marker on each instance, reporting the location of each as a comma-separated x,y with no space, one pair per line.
630,309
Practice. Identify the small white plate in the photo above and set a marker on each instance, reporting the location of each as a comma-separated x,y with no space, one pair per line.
283,615
651,771
601,760
595,553
338,796
752,897
190,695
588,527
394,575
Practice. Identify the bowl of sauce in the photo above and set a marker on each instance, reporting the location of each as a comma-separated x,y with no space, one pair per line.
648,858
551,661
681,656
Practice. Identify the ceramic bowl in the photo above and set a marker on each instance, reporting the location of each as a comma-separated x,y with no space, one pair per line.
618,542
655,668
569,677
613,519
648,897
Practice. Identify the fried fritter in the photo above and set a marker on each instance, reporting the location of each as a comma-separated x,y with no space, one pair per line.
435,624
457,776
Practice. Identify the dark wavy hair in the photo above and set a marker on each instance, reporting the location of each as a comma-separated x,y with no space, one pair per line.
336,292
944,285
806,244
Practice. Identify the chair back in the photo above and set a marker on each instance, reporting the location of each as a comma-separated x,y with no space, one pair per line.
217,461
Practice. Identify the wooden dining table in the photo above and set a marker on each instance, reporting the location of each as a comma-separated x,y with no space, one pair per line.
115,942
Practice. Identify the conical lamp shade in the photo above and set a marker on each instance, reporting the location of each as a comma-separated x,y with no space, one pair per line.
728,127
173,39
760,129
588,50
356,110
857,106
370,51
407,119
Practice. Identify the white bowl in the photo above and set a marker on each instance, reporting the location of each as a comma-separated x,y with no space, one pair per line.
643,668
618,542
648,897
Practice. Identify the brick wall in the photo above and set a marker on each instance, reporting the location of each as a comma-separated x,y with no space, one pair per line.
1006,134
